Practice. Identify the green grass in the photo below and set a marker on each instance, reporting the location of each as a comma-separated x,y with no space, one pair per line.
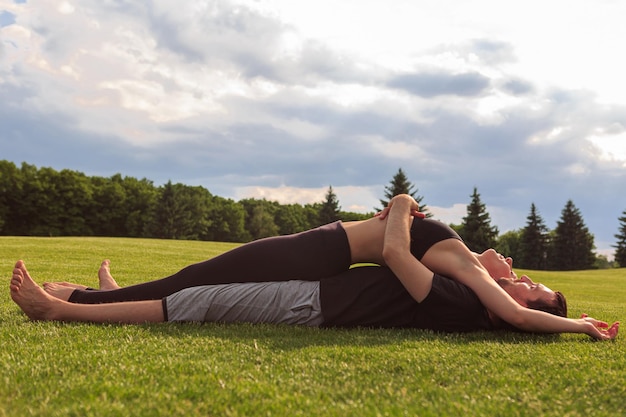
61,369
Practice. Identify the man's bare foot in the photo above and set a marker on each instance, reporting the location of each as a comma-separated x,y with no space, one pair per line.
104,276
31,298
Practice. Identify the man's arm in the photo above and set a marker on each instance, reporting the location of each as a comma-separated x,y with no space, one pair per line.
411,272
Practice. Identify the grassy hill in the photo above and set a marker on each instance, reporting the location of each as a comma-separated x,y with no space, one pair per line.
58,369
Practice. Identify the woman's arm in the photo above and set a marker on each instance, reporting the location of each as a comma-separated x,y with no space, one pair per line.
397,255
416,278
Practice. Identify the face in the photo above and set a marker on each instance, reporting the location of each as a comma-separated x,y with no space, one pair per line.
523,290
497,265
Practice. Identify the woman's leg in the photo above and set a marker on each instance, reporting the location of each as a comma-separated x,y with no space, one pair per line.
307,256
64,289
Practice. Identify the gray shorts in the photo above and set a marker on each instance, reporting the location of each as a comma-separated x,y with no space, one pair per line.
288,302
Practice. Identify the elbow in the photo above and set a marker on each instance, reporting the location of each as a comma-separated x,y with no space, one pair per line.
390,254
518,320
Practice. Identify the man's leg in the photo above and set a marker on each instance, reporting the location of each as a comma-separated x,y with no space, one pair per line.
287,302
38,305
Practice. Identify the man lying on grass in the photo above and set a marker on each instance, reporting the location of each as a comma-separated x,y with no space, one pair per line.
368,296
402,241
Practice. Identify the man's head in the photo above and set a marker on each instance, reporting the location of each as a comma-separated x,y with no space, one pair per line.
535,296
523,290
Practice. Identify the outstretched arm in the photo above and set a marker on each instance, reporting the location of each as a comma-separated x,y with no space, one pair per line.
397,255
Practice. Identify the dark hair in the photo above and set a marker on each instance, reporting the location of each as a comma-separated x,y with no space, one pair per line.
557,306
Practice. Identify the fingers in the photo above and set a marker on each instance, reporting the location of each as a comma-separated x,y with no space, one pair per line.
596,323
382,214
605,334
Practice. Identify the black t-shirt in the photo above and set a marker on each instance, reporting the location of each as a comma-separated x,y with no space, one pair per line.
372,296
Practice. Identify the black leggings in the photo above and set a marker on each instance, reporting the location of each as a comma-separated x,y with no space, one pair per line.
309,256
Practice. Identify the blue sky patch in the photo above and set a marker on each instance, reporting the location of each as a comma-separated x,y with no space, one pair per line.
6,18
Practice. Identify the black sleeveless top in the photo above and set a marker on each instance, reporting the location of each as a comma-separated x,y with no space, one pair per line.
372,296
427,232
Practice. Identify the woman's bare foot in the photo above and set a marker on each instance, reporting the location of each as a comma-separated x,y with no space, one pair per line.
66,284
60,290
63,290
104,276
31,298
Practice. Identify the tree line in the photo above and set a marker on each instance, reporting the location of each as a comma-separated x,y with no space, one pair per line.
45,202
569,246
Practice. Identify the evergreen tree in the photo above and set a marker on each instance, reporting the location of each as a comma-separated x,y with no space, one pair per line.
508,244
620,248
10,193
261,222
534,243
226,221
400,184
181,212
259,218
329,210
572,246
291,218
476,230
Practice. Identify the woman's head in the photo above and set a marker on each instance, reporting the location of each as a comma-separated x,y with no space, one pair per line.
497,265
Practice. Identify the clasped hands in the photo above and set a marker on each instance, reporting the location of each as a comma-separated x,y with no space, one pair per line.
413,207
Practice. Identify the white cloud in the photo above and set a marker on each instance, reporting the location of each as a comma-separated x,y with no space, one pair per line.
612,143
66,8
355,199
279,99
449,215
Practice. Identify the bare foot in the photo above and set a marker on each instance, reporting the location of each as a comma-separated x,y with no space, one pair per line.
66,284
31,298
61,290
104,276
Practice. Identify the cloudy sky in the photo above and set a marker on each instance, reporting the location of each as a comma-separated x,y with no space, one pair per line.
279,99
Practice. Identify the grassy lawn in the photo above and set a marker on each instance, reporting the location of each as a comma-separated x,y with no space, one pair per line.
59,369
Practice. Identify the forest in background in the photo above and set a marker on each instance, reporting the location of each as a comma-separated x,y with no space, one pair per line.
46,202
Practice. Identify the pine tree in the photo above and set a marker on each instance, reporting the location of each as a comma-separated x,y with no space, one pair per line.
534,244
620,248
329,210
476,229
509,244
400,184
572,246
164,223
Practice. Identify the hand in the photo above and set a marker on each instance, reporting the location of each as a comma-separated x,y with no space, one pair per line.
413,210
599,329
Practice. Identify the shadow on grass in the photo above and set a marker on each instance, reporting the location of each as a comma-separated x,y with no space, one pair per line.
284,337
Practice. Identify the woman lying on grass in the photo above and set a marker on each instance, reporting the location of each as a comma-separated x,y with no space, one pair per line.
360,296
